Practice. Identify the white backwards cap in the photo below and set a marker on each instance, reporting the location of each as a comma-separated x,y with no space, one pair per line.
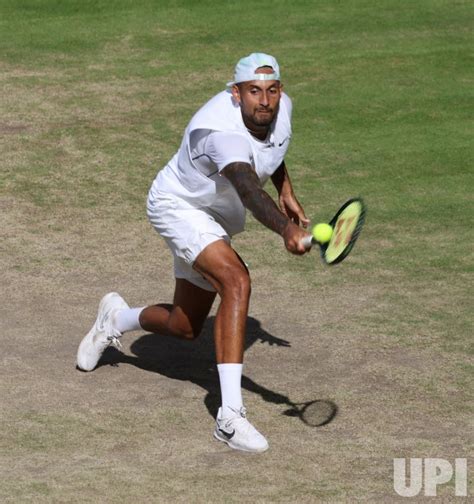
246,68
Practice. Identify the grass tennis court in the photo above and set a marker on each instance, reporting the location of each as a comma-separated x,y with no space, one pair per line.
95,97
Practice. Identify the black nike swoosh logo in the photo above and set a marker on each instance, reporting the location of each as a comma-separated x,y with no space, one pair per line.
281,143
228,435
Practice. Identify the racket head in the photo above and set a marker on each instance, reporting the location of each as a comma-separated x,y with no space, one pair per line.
347,225
318,413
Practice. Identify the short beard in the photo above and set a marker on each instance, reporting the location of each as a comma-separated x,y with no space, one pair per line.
261,122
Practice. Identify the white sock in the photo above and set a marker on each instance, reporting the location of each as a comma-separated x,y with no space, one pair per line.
127,320
230,376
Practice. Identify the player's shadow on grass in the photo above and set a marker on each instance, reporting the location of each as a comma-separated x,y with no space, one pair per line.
194,361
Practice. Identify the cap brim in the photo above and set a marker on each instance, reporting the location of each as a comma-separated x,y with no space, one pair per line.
230,84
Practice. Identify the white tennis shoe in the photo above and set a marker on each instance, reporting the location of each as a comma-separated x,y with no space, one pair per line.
102,333
238,432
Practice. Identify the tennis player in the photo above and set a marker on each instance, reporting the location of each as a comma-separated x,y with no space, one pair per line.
197,202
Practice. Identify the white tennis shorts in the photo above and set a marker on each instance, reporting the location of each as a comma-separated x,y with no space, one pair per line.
187,231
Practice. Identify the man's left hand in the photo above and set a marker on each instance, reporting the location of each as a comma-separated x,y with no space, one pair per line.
290,206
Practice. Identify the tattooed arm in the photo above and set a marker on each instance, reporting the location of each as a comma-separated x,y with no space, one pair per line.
263,208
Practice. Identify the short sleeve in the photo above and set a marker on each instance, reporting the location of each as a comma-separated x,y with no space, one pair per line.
224,147
288,104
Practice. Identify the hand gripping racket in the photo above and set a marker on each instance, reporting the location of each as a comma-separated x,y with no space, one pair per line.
347,225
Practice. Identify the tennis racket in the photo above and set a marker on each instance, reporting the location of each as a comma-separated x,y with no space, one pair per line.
313,413
347,225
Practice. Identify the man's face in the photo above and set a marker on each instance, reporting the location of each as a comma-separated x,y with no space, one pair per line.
259,101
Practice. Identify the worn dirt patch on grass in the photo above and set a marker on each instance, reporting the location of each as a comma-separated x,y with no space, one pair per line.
146,421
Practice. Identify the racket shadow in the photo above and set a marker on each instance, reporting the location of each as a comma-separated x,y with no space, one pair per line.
194,361
316,413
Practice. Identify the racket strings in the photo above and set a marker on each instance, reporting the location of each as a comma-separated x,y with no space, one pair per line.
347,224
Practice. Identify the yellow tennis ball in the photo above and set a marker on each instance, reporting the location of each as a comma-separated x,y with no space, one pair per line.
322,232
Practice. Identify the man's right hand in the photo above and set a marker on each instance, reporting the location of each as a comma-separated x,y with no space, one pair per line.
293,237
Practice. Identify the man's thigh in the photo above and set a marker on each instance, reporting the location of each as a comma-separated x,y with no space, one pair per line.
187,232
221,266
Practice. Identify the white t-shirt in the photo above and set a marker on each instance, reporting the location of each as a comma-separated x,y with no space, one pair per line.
212,151
215,137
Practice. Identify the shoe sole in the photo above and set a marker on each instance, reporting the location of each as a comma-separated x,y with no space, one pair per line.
229,443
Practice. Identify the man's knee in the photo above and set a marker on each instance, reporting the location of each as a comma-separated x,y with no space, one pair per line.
190,334
184,328
224,269
236,283
187,333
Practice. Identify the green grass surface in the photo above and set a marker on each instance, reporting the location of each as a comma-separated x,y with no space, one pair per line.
95,97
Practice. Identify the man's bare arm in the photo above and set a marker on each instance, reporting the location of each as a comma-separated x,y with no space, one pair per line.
280,179
254,198
289,205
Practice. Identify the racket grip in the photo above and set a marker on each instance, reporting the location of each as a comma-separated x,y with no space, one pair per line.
307,242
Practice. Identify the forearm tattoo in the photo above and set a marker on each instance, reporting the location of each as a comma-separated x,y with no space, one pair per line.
263,208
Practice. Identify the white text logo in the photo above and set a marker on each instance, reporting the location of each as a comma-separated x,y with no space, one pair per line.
436,471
